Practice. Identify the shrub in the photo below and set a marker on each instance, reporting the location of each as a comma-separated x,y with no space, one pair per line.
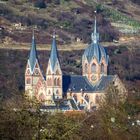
40,4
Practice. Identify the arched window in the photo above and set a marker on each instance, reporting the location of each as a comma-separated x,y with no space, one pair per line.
49,92
28,81
97,99
58,82
55,82
57,92
87,98
102,68
86,68
93,68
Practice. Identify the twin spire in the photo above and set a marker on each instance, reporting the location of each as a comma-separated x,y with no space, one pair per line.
33,53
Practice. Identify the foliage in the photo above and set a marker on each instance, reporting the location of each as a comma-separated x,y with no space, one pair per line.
40,4
27,122
113,120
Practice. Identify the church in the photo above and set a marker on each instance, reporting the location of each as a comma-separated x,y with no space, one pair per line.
73,92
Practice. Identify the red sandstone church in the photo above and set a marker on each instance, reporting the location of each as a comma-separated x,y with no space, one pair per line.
74,92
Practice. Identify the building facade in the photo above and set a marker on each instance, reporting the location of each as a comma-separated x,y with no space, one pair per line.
76,91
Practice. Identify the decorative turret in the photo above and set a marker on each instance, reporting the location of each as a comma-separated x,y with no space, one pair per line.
32,72
54,72
94,59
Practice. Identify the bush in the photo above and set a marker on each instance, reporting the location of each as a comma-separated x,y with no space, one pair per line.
40,4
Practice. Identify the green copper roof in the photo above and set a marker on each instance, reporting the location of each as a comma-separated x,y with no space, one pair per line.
54,55
95,50
33,54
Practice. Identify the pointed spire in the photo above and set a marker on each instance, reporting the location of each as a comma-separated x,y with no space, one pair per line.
53,56
95,34
33,54
95,26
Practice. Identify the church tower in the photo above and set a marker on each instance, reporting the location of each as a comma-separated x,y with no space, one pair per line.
94,59
54,73
33,72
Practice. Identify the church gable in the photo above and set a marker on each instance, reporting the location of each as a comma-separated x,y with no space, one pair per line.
37,70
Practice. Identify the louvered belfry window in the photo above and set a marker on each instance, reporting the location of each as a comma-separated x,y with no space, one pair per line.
102,68
93,68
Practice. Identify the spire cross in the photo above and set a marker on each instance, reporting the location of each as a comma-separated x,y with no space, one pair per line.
95,35
33,36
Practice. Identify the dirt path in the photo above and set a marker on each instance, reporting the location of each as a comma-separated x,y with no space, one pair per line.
129,42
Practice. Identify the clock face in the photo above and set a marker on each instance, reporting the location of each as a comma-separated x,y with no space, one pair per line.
93,78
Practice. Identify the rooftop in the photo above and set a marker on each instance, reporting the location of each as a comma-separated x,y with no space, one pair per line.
78,83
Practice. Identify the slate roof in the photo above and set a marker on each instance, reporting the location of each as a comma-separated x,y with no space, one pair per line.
33,54
94,50
77,82
54,55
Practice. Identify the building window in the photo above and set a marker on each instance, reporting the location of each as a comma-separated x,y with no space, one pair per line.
55,82
93,68
102,68
58,82
97,99
57,92
86,68
28,81
49,92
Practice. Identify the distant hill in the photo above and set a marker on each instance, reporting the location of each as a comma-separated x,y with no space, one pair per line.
72,19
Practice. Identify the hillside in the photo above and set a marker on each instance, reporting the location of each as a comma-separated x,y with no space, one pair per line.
123,62
72,20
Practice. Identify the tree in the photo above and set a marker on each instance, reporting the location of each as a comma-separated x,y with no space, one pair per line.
111,120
